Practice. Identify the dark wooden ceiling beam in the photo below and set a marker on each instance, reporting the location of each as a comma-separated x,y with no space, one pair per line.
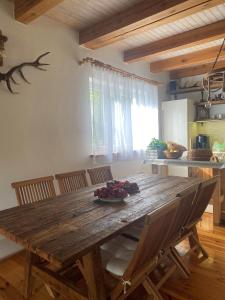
141,17
196,70
187,60
29,10
180,41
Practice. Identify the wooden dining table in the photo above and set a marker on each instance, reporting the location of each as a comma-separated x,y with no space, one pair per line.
70,228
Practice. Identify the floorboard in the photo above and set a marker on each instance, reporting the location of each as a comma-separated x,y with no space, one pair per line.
207,280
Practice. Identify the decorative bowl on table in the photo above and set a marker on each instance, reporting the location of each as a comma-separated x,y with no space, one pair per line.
116,191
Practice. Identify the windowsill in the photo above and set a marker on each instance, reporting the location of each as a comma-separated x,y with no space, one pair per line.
117,156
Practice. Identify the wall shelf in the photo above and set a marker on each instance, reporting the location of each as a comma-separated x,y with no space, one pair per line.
186,91
212,102
208,120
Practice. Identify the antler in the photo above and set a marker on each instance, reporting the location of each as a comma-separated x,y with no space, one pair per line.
8,77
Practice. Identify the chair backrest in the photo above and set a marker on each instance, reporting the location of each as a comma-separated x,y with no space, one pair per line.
33,190
202,200
156,227
187,198
100,174
72,181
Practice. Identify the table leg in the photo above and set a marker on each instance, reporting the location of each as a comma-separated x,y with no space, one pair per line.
155,169
160,170
28,274
192,242
93,269
217,198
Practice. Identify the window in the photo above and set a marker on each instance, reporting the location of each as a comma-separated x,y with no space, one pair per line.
124,113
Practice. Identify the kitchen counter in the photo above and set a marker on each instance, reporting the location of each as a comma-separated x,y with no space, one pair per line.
186,163
201,169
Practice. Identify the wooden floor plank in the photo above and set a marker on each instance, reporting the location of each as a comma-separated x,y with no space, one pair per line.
8,292
207,280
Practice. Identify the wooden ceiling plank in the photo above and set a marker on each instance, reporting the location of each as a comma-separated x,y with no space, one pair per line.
179,41
196,70
139,18
29,10
187,60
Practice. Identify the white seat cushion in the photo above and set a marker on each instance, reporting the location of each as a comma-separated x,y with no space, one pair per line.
117,253
117,266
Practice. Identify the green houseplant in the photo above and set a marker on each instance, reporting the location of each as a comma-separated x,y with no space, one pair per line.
155,149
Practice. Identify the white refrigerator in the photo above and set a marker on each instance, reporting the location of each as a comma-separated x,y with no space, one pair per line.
176,116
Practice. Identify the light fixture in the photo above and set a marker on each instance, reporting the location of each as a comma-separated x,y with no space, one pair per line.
215,79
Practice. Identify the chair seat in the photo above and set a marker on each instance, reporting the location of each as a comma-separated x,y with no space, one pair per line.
117,253
134,232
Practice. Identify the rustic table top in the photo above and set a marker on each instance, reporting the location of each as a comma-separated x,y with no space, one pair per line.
66,227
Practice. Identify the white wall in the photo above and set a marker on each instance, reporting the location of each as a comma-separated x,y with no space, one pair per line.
45,129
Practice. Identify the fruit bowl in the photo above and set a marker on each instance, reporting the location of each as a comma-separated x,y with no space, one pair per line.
173,154
116,191
111,200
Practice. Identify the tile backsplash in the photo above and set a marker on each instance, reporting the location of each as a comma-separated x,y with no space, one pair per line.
215,130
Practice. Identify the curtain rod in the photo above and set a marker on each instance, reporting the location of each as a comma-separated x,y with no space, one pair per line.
120,71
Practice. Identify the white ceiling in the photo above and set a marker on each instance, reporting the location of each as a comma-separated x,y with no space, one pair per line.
82,13
188,50
188,23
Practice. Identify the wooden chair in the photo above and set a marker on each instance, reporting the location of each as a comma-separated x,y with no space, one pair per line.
202,200
131,263
100,175
187,198
198,208
186,201
30,191
33,190
175,232
72,181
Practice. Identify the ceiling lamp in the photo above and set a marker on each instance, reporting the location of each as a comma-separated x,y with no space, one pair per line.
215,79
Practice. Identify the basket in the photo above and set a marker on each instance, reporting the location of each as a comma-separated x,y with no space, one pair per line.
199,154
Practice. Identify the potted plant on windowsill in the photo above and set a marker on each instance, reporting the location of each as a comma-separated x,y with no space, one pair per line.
156,149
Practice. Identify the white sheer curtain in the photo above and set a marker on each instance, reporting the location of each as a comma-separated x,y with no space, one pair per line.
124,113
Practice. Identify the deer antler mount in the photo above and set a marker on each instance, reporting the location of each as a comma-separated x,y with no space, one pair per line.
9,79
3,40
